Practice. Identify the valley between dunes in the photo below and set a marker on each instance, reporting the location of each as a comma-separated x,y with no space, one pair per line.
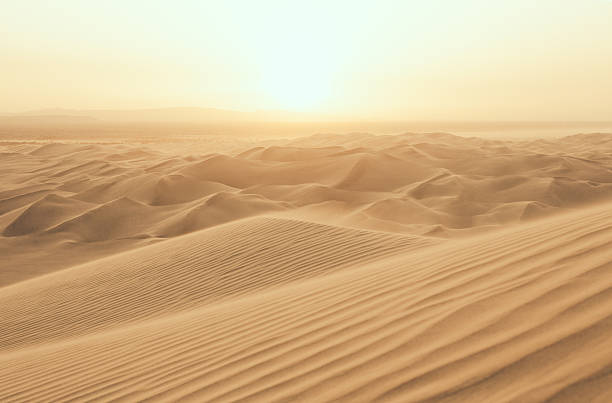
413,267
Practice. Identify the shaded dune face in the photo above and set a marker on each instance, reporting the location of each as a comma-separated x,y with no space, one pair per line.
79,202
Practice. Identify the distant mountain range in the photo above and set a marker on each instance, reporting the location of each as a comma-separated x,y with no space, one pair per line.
177,114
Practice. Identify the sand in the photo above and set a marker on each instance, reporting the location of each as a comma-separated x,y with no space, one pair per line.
331,267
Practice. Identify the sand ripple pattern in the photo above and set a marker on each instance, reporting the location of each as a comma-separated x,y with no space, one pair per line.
523,314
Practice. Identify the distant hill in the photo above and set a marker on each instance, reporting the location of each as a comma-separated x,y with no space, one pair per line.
177,114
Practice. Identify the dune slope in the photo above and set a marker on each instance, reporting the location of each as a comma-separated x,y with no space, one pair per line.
227,261
521,314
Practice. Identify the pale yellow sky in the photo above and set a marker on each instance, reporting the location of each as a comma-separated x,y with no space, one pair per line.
406,60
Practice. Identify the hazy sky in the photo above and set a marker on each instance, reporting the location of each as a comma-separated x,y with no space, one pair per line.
427,59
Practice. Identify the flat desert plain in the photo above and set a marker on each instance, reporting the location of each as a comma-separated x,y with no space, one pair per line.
413,267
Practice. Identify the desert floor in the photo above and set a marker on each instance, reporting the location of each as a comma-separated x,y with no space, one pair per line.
330,267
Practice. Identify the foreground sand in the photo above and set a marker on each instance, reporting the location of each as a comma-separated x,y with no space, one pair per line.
355,268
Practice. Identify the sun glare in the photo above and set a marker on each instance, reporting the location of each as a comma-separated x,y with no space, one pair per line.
296,84
296,63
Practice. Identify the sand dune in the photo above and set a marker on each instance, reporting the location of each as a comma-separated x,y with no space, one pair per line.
99,199
521,314
44,214
355,267
211,265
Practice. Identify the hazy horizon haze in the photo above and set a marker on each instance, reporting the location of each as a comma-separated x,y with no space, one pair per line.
391,60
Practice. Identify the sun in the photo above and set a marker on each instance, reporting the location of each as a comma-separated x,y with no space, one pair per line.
297,69
297,85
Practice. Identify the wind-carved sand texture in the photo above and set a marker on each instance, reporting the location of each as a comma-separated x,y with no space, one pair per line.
332,267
